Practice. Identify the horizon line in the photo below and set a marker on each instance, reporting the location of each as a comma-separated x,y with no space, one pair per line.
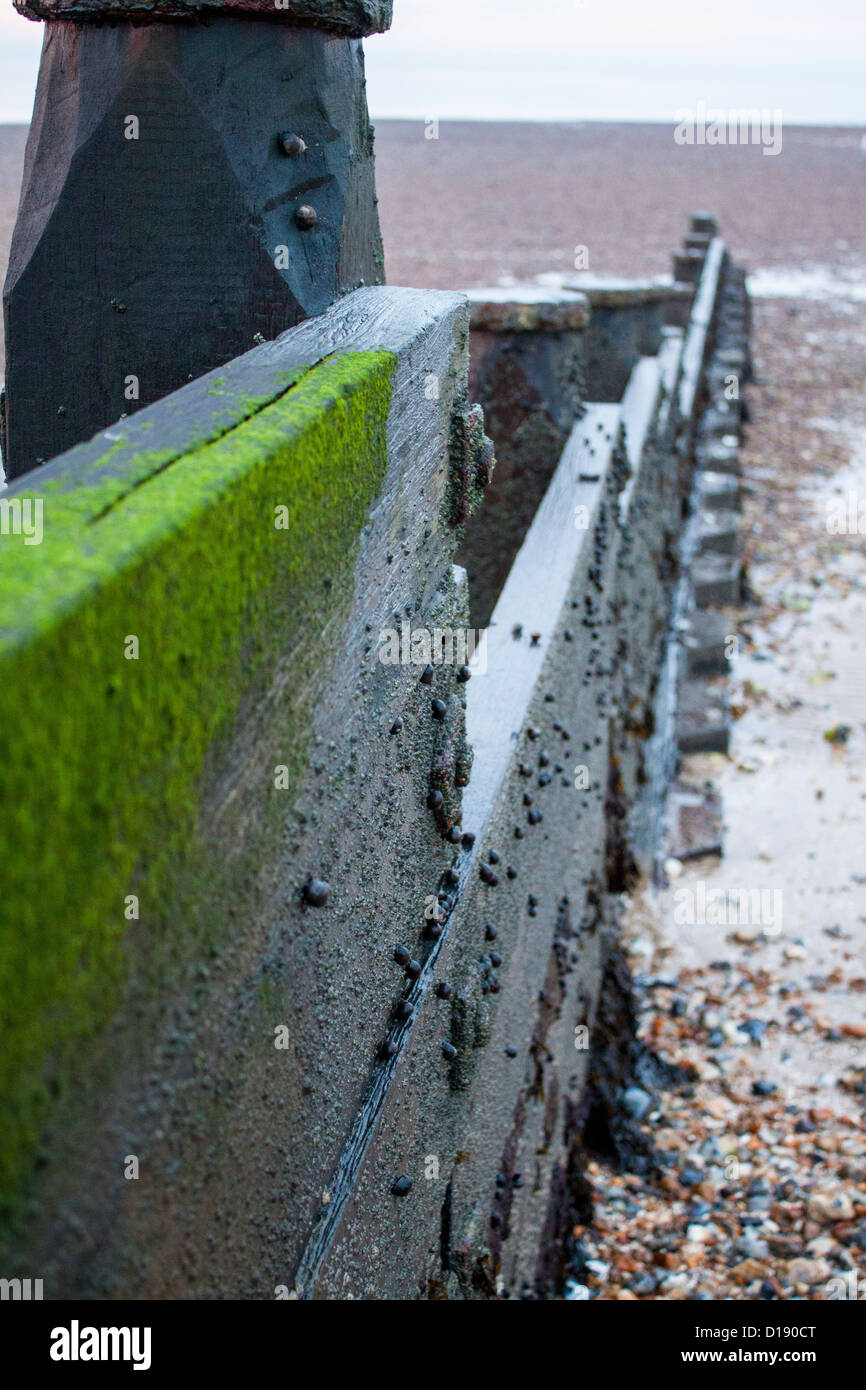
799,124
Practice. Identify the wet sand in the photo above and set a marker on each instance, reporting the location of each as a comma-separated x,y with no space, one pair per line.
491,202
487,201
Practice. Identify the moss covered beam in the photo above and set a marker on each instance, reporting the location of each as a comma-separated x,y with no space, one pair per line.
190,633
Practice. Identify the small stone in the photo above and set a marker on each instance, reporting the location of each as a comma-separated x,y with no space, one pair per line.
690,1177
754,1028
753,1246
698,1234
808,1272
636,1102
822,1246
794,952
641,946
826,1207
747,935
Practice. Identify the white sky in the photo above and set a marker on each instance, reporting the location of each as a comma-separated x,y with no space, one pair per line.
582,59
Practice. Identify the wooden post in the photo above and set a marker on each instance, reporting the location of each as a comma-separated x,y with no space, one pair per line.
198,178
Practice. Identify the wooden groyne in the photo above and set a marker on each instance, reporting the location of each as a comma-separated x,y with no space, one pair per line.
308,933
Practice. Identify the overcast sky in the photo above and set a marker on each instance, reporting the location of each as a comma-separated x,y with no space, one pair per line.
582,59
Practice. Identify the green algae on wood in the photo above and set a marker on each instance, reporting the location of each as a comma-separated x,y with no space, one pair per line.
105,761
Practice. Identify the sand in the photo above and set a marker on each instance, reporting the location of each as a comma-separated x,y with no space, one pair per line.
487,202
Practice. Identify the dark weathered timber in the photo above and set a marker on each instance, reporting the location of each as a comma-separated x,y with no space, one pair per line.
378,1154
358,817
527,359
140,263
352,18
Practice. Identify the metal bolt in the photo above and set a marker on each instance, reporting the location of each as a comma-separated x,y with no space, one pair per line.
306,217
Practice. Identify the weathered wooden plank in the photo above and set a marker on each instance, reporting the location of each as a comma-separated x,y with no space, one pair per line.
560,531
305,688
125,455
700,322
568,686
527,371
